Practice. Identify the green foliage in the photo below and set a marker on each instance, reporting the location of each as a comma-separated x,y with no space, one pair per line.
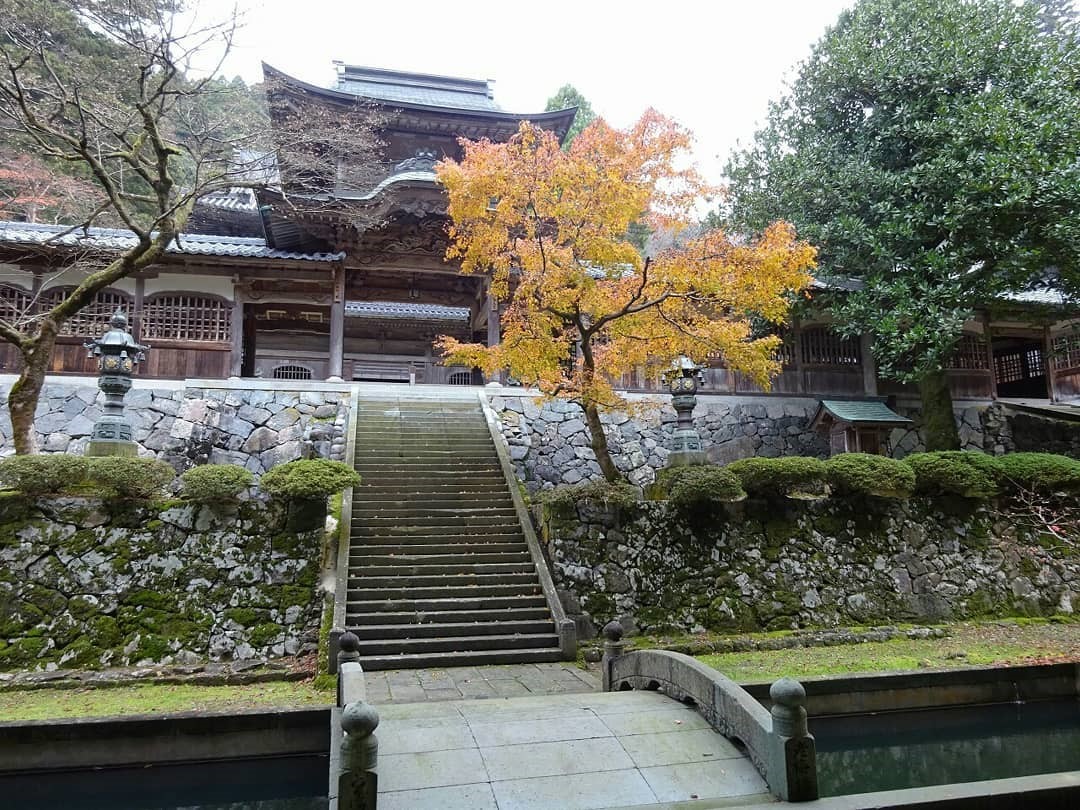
131,477
308,479
925,157
215,482
703,489
617,494
866,474
1042,472
42,474
568,96
968,474
780,476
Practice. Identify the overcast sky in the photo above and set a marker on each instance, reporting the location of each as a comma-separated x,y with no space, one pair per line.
712,65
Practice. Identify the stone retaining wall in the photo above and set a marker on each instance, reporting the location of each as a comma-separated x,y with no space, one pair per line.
86,583
1009,430
253,428
784,564
549,443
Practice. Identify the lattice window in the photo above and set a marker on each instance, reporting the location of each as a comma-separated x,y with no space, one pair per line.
1034,362
93,319
828,349
15,304
970,353
1067,351
461,378
1010,367
180,316
785,353
292,373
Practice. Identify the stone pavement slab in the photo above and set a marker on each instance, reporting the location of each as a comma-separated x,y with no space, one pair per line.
496,681
556,752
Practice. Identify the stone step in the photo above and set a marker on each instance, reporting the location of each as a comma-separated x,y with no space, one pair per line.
436,617
438,500
368,511
384,455
449,630
396,443
405,557
364,594
444,604
376,486
471,658
493,518
405,582
405,646
401,478
432,546
395,567
419,535
397,470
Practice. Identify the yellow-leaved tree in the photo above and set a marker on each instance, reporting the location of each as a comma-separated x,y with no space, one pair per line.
552,228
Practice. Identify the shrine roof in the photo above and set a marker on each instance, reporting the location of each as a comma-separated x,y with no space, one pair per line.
109,239
417,88
405,310
861,412
427,102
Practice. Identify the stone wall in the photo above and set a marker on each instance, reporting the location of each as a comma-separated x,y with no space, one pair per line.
549,442
253,428
86,583
1009,430
784,564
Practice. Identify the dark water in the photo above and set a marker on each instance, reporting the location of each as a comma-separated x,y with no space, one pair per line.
939,746
278,783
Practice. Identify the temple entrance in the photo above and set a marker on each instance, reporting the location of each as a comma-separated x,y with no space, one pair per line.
1020,367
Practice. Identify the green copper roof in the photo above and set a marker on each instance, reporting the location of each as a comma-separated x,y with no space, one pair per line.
862,411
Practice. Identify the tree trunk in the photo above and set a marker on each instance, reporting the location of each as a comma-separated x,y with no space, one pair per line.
25,391
939,422
599,443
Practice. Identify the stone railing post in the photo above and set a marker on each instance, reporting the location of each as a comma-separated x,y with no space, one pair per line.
793,766
614,647
358,780
348,653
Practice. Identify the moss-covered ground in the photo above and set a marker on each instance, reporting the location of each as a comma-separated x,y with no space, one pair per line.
49,704
1016,641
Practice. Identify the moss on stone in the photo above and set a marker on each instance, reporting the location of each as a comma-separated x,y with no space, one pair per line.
265,633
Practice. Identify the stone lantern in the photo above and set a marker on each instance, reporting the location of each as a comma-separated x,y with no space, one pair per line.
683,380
117,354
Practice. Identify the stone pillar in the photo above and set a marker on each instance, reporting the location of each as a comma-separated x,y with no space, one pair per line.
358,782
137,314
793,765
614,647
337,325
348,653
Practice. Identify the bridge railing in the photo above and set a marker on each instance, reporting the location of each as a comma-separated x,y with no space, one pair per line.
354,782
776,741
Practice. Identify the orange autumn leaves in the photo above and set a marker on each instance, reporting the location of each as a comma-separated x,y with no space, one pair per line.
550,227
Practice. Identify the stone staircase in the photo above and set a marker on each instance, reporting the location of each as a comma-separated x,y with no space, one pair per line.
440,573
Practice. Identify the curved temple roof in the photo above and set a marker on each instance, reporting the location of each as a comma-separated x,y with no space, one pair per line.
427,96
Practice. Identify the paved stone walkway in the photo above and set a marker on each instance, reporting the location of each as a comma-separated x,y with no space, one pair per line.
457,683
557,752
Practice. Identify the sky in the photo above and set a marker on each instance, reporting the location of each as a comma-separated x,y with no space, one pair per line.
712,65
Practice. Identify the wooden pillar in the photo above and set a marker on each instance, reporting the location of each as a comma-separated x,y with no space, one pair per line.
236,332
990,355
796,351
869,366
137,314
493,332
1048,364
337,324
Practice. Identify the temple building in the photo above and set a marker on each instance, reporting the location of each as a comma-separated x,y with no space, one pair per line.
250,292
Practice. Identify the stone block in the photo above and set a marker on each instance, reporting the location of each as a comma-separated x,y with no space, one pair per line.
289,451
284,418
79,426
